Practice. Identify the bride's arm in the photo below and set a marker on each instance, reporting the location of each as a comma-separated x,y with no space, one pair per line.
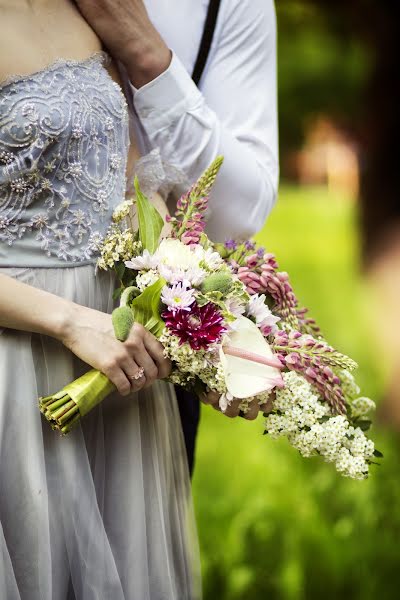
27,308
88,333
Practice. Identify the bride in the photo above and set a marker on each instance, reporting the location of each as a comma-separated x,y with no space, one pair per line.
105,513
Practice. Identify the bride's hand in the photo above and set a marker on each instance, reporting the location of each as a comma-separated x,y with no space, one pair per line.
89,334
233,410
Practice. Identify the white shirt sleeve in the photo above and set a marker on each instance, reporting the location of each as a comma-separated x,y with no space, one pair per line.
234,114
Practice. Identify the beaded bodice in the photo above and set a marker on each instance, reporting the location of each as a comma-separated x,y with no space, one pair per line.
63,152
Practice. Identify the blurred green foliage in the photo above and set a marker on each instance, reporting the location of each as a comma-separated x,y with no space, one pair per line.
322,68
272,524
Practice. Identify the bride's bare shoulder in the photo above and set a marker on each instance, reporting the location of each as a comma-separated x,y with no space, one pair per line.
34,35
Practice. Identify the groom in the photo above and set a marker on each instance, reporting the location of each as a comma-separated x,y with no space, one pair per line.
229,48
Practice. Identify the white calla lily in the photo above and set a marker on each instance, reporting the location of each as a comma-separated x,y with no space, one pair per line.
246,377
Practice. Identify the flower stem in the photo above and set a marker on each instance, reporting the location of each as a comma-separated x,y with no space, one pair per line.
68,426
53,406
57,415
63,420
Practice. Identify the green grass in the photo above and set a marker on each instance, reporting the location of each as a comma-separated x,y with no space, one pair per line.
271,524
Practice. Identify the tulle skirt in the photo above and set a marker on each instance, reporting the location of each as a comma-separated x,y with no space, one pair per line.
104,513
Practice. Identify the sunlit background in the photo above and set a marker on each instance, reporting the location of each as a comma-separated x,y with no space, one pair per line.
273,525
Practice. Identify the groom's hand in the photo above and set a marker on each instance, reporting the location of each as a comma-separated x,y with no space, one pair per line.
233,410
125,29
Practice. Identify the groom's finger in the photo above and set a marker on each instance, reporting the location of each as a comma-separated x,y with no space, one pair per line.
211,398
233,409
267,407
253,411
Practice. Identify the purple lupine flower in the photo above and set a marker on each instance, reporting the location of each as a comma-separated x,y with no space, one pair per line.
249,245
260,252
258,271
314,359
251,280
230,245
189,220
252,261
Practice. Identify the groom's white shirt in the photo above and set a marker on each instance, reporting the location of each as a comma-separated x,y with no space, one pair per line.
234,112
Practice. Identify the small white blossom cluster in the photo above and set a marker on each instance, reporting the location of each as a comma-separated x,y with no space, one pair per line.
261,399
183,379
122,210
307,422
146,278
360,406
195,363
348,384
118,246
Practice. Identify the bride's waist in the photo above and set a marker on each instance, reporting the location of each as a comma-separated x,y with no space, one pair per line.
80,284
28,252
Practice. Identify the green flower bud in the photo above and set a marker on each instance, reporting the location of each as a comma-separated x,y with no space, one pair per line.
217,282
122,320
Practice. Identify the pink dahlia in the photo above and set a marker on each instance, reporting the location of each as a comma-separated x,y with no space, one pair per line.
200,327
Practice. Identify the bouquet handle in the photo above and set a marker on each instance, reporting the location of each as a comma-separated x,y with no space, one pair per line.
75,400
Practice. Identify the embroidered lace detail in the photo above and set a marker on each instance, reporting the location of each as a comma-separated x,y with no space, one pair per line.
63,151
156,175
99,56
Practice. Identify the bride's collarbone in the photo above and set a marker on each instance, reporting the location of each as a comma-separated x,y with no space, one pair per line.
31,42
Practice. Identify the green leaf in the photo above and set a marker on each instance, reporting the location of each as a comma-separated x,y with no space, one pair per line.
147,307
214,297
117,293
202,300
323,419
363,424
150,221
120,270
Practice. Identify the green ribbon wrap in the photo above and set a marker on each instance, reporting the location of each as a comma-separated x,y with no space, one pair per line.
65,408
89,390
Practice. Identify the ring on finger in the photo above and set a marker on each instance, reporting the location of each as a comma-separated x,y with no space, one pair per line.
138,375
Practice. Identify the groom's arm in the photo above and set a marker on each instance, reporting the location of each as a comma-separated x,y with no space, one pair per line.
234,114
125,28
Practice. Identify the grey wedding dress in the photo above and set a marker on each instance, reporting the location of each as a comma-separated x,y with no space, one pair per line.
104,513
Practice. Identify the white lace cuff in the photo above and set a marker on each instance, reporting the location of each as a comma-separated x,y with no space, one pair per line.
156,175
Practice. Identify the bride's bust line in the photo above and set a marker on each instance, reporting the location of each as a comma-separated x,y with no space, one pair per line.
36,34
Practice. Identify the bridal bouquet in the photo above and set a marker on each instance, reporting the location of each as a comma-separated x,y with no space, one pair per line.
230,322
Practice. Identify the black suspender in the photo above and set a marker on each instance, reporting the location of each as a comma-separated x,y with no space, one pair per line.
206,40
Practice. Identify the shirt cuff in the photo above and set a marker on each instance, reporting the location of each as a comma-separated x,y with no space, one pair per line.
162,101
